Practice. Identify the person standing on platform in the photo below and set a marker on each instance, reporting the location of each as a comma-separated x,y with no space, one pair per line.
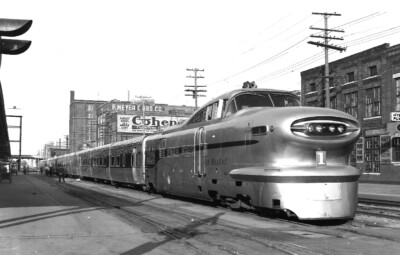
61,174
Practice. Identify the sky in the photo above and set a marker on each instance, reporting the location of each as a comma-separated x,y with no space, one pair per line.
107,49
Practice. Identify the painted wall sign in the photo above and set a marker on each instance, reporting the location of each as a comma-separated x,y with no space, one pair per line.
135,123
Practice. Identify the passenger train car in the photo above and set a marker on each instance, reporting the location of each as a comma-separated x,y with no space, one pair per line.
252,147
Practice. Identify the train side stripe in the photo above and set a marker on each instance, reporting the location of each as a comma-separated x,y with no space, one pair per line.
296,179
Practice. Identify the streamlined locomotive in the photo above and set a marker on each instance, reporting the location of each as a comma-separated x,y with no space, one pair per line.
251,147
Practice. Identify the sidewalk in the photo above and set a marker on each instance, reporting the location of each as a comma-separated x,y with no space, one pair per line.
38,218
379,191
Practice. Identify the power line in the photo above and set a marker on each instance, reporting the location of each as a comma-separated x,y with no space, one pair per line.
277,56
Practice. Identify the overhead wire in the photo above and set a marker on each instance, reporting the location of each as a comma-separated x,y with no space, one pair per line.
320,56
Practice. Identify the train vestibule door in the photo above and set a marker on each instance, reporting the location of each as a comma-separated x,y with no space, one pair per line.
136,170
200,154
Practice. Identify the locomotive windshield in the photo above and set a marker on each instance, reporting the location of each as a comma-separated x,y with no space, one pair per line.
261,99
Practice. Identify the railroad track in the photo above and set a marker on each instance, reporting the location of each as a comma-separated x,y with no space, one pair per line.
379,208
195,232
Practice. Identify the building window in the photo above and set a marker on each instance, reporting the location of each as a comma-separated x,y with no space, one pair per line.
313,87
90,115
353,156
90,107
350,77
350,104
312,103
372,154
396,149
373,70
372,102
397,84
333,102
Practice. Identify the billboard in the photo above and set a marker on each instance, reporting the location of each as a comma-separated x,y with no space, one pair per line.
135,124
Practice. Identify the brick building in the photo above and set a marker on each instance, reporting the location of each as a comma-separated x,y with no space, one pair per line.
367,86
122,120
82,122
93,123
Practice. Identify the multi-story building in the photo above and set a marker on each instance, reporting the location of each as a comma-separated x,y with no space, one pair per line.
121,120
367,86
82,122
93,123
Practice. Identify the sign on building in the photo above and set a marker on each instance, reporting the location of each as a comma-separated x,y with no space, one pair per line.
135,124
395,116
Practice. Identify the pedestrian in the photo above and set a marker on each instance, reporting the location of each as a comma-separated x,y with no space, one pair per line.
61,174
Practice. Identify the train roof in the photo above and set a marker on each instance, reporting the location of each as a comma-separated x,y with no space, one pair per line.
227,96
233,93
116,144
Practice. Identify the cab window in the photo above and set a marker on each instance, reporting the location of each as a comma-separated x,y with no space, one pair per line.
208,113
200,116
284,100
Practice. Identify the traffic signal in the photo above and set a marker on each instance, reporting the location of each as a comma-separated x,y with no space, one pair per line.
11,28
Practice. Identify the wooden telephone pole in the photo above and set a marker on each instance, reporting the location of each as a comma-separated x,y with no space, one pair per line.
195,91
327,46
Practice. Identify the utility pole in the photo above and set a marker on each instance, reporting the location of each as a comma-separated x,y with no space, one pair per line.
195,92
143,99
327,46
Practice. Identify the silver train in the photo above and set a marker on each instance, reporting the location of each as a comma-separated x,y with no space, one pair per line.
250,147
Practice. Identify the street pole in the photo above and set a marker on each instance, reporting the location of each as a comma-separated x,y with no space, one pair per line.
195,91
327,46
142,99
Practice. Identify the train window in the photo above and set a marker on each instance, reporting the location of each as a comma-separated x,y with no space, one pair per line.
163,143
150,159
112,161
284,100
212,111
232,108
209,112
200,116
139,159
128,160
118,161
123,161
244,101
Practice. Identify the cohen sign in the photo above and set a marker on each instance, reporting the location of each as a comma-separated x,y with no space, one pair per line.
135,124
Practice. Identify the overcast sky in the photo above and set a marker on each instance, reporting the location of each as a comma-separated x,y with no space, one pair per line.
102,49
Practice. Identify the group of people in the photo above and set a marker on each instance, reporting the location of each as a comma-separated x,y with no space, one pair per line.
49,172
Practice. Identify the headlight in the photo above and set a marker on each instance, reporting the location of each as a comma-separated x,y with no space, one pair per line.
317,127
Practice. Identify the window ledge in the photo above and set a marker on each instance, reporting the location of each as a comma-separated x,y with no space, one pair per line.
349,83
312,92
372,173
371,118
372,77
